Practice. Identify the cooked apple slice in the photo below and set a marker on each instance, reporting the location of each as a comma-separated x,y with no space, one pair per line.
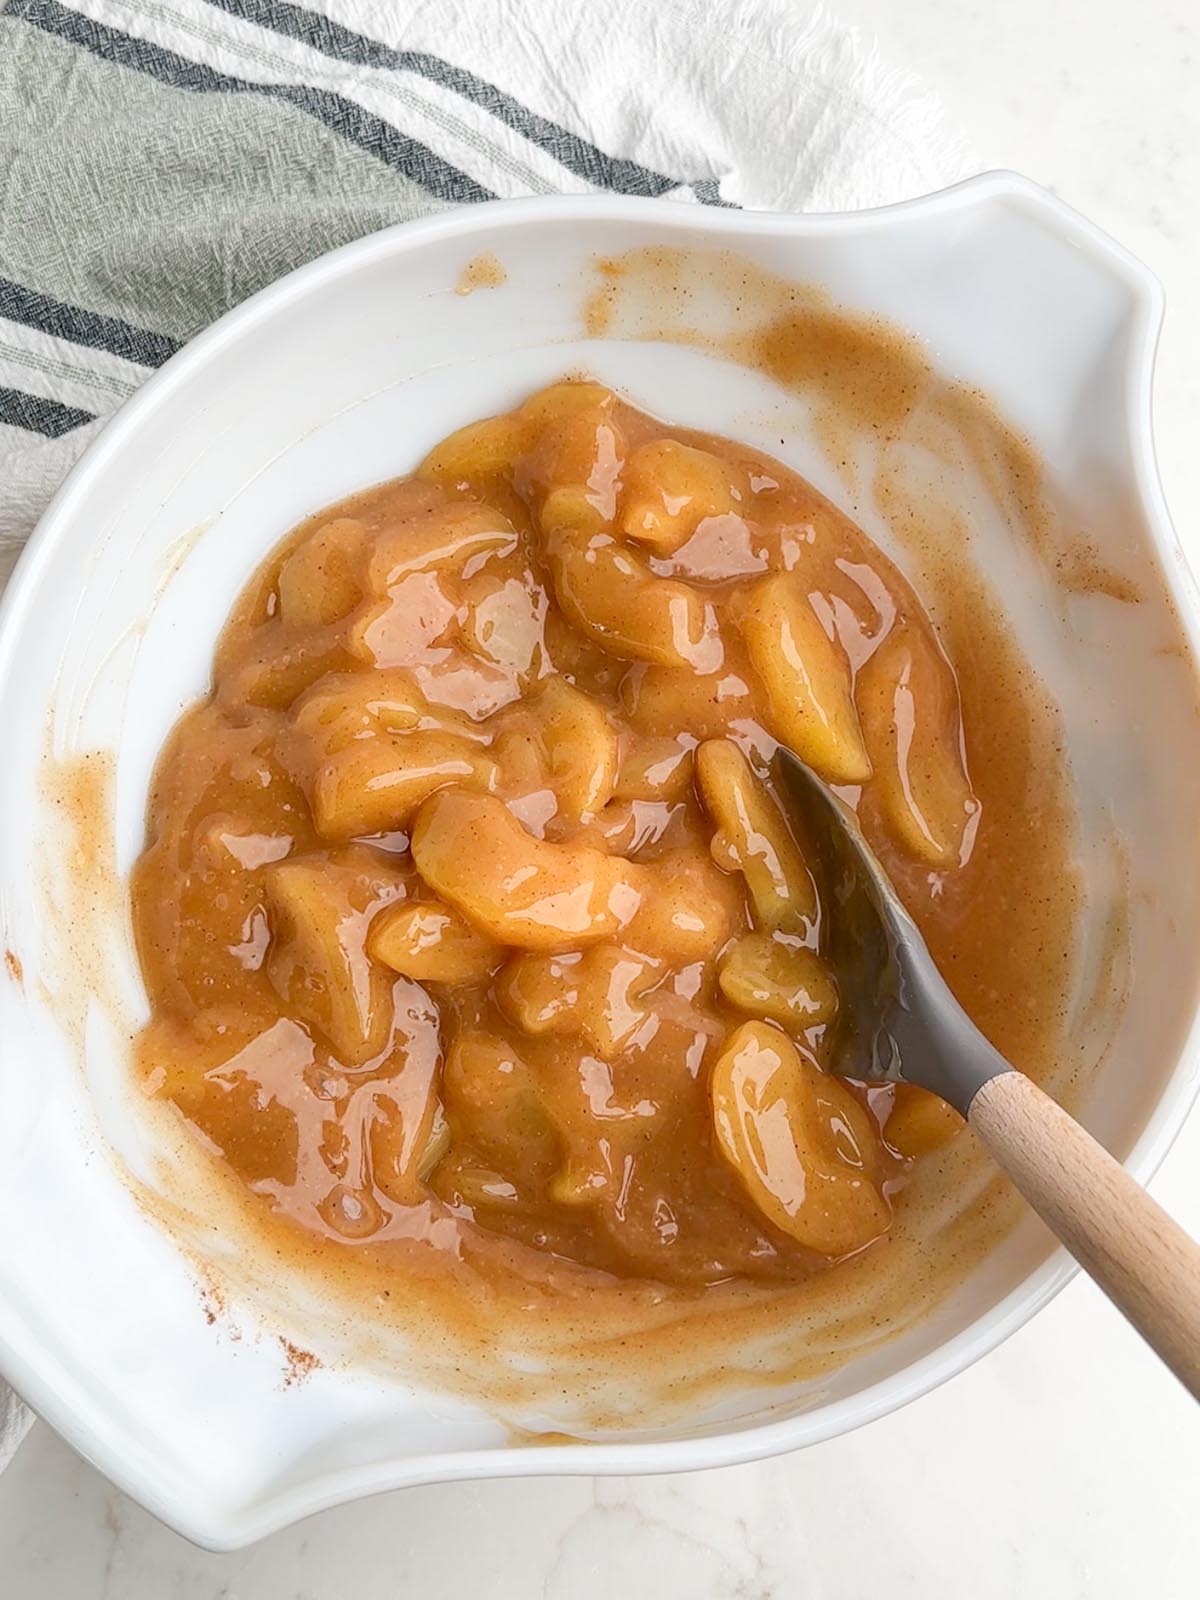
908,701
505,624
919,1122
754,839
558,402
689,909
595,992
609,592
806,677
480,450
455,536
472,851
669,489
778,979
433,943
495,1106
805,1150
374,785
581,744
406,1135
663,700
344,706
539,990
321,908
322,579
572,473
273,667
653,767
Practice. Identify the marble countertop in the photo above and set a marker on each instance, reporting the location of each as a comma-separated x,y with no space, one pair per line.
1066,1464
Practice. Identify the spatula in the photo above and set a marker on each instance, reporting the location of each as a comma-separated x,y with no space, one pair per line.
900,1023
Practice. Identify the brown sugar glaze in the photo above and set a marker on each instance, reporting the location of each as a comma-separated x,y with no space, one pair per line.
365,1019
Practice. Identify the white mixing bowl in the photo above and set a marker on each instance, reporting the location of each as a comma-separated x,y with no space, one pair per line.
343,374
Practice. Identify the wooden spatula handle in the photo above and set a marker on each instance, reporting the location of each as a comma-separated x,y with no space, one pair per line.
1141,1259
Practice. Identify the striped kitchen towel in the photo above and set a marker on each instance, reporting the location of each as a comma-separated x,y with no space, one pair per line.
162,159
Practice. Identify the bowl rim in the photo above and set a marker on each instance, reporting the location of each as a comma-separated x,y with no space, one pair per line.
276,1508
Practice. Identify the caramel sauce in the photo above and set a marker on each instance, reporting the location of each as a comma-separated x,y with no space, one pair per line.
440,952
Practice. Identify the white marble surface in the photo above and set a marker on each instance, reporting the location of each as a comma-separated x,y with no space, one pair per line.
1067,1464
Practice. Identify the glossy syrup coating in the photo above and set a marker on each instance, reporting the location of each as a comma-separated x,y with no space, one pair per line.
467,900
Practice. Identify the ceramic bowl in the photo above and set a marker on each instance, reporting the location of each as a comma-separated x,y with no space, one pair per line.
343,374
